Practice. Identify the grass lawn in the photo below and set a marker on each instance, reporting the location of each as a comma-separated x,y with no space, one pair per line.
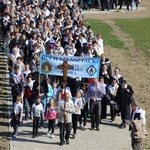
107,33
139,30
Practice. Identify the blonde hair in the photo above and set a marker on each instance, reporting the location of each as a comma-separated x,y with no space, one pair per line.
18,99
103,55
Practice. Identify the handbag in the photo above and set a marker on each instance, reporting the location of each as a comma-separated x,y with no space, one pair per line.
138,130
115,104
131,99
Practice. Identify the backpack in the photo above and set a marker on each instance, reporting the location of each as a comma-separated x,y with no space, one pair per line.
28,93
138,130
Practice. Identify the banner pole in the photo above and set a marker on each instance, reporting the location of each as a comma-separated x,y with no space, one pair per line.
39,83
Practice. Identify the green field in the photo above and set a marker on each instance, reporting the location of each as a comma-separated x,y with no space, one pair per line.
137,29
107,33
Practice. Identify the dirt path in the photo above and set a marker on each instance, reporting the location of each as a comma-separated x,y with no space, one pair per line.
134,65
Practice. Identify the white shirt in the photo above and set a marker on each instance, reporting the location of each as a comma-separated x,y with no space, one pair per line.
101,45
18,108
142,115
37,110
30,84
78,105
116,77
112,89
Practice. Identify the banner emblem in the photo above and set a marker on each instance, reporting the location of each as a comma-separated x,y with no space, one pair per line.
46,67
91,70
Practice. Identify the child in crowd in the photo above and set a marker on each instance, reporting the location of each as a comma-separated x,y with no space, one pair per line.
77,100
51,115
17,115
54,86
84,108
50,89
37,111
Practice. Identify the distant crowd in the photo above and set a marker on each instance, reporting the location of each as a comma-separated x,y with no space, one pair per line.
57,27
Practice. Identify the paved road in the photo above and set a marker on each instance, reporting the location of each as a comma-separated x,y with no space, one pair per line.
110,137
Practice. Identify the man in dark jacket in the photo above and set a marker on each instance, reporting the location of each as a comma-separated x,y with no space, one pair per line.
124,99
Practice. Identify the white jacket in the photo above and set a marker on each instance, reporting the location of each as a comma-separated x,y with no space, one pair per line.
70,109
142,115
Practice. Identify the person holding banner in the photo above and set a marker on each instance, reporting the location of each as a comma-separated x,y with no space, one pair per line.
61,90
95,92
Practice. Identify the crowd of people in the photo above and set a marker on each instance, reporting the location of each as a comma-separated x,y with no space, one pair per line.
109,4
54,27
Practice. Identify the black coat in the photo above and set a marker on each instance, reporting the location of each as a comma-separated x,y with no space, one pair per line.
108,64
123,97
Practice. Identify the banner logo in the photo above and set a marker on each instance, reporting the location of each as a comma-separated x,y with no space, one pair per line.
46,67
91,70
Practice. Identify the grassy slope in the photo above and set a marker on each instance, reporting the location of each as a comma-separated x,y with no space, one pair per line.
107,33
139,30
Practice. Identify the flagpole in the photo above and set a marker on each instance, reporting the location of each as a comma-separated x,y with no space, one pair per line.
39,84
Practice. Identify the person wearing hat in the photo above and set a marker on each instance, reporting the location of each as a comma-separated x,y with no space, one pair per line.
124,98
65,110
137,114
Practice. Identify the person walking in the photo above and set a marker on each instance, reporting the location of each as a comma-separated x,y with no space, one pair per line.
124,98
77,100
84,109
17,115
65,110
51,115
137,119
112,91
95,92
36,113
